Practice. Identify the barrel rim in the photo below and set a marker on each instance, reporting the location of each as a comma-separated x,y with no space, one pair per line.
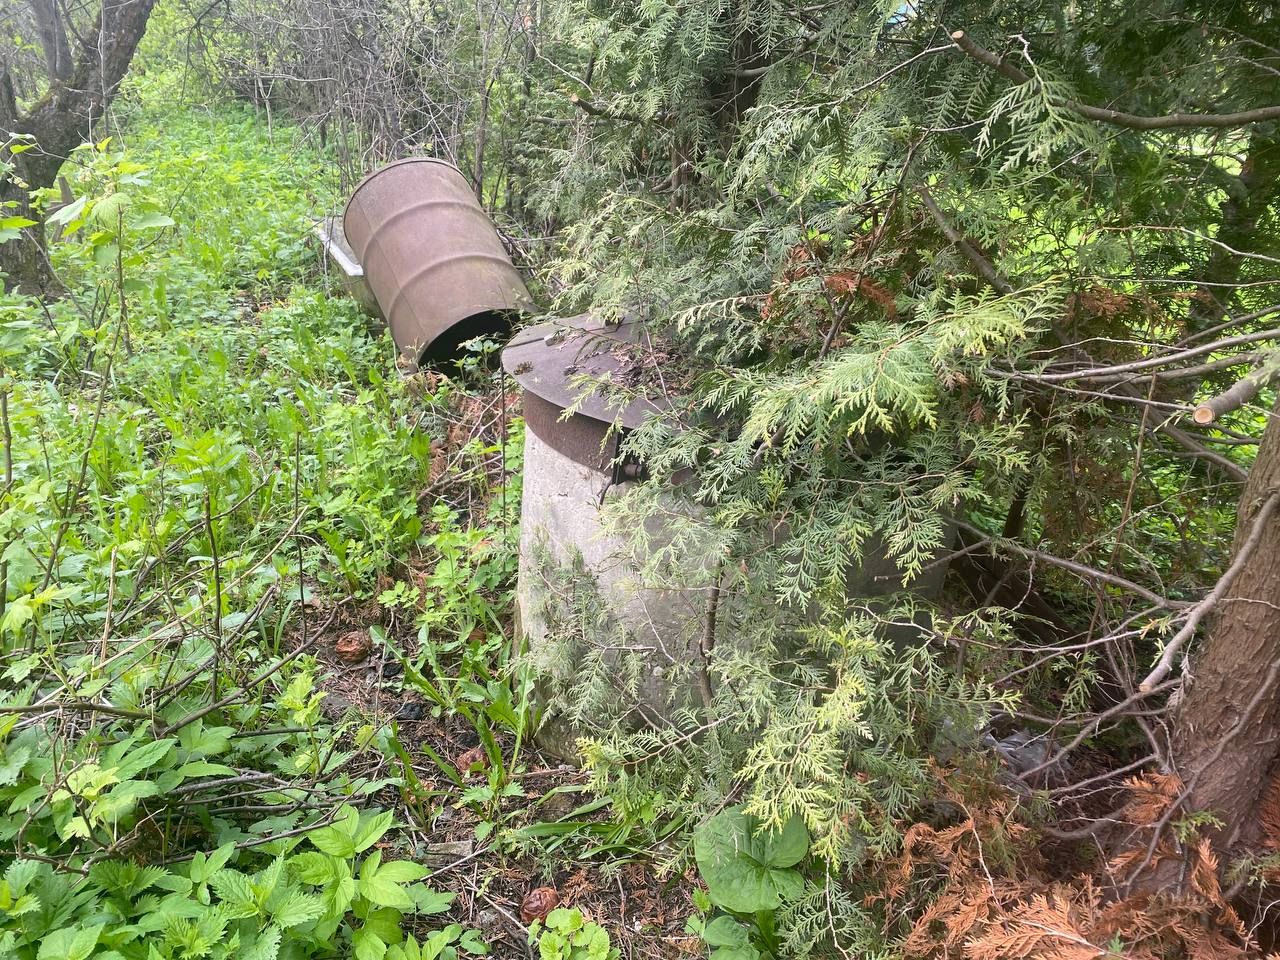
398,163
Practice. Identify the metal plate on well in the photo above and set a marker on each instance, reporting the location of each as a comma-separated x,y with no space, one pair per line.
600,370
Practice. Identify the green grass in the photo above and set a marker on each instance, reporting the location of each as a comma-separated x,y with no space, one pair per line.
209,446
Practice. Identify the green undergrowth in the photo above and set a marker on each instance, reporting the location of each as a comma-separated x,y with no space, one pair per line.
211,461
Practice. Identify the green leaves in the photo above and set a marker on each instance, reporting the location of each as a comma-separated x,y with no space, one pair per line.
152,221
747,869
382,884
351,833
730,940
297,908
368,945
73,943
70,213
237,893
11,227
213,379
567,935
441,945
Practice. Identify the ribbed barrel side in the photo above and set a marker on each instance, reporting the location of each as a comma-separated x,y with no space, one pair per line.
433,259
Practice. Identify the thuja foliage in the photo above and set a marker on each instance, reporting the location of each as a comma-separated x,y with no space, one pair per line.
878,245
861,240
879,248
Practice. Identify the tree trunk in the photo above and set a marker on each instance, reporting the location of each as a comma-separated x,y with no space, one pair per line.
23,262
53,39
61,120
1227,731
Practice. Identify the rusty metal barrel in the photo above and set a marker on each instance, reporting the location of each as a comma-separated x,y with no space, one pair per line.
433,259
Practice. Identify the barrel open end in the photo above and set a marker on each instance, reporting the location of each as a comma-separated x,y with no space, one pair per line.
449,347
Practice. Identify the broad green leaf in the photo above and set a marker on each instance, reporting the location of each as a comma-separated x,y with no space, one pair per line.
371,829
386,924
204,741
265,947
11,227
472,943
144,757
339,891
74,943
431,901
312,867
24,904
218,859
152,221
107,210
26,798
105,254
267,879
368,945
75,827
436,945
235,889
402,871
64,215
15,758
725,931
298,908
333,841
747,869
121,800
385,893
338,839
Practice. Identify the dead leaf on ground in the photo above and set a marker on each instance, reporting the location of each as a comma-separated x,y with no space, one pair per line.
538,903
353,647
475,757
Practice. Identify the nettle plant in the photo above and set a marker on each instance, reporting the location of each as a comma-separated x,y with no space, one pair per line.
334,892
113,826
167,786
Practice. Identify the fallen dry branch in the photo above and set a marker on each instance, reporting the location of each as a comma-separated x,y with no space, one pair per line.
1198,612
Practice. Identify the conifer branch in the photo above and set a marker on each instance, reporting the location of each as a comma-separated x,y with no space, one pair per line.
1134,366
997,280
1198,371
1116,117
1086,572
595,110
984,266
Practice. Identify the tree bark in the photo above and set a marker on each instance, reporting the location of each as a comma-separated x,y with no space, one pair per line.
53,39
1227,731
61,120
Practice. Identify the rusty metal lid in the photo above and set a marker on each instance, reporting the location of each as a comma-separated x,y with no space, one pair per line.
556,360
